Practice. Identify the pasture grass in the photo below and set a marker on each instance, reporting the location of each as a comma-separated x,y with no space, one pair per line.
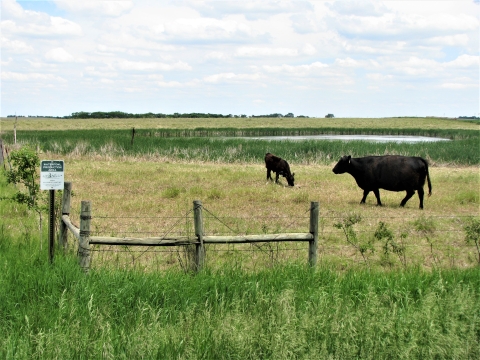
7,124
141,198
282,312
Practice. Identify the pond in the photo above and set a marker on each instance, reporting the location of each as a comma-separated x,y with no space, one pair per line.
369,138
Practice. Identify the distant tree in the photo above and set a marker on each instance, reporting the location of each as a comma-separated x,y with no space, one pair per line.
289,115
329,116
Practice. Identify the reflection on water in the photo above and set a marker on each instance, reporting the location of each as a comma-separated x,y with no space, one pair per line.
370,138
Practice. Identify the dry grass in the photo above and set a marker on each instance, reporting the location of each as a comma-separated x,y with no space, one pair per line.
244,123
142,198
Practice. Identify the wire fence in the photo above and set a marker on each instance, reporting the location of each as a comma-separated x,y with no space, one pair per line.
428,241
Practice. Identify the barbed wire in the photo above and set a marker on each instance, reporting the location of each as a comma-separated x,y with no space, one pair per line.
323,246
340,216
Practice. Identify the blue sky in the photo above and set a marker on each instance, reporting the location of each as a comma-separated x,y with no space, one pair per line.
352,58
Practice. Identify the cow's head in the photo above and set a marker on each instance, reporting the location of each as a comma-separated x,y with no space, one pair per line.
290,179
342,165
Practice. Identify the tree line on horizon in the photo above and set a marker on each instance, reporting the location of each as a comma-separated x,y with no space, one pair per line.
120,115
125,115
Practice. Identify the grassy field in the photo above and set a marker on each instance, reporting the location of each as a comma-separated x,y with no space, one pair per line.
7,124
159,178
251,301
287,312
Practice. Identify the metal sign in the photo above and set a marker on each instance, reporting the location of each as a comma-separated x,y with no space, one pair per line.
51,175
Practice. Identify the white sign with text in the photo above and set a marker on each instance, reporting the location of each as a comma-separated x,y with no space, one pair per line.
51,175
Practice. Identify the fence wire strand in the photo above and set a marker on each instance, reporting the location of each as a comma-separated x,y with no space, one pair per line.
326,230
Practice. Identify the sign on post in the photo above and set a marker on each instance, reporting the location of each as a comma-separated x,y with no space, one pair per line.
51,175
51,178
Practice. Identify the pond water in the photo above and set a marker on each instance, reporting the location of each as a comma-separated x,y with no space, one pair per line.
370,138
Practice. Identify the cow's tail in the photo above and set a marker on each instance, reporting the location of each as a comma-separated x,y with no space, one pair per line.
428,178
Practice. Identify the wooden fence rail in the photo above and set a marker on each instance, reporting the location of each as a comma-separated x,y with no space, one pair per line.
85,240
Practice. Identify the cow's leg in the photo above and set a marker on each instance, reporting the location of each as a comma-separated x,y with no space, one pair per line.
410,193
269,174
420,196
377,195
276,177
365,193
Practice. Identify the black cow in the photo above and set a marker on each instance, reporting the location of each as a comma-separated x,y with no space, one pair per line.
279,167
390,172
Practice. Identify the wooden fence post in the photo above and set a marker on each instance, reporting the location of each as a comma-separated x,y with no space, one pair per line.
84,241
199,248
313,244
67,192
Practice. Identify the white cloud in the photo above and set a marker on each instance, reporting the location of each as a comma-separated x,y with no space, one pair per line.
309,49
231,77
177,84
247,51
16,46
102,72
458,86
151,66
450,40
217,55
394,26
96,8
15,76
378,77
54,26
303,24
11,9
358,8
59,55
35,24
109,49
347,62
296,70
464,61
207,29
252,10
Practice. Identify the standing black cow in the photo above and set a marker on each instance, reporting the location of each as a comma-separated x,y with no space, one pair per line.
279,167
390,172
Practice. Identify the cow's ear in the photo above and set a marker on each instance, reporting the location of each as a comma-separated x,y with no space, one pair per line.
349,157
293,174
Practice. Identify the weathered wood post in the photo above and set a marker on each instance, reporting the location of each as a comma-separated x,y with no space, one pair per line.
313,244
1,155
67,193
199,248
84,241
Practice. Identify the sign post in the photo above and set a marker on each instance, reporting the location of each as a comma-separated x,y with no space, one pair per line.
51,178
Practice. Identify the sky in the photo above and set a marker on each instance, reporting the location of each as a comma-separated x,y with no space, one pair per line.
350,58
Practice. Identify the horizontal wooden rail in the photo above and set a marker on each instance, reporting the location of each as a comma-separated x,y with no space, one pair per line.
245,239
75,231
85,239
150,241
184,240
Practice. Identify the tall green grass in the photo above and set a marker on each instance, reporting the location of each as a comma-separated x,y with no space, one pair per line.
210,145
56,311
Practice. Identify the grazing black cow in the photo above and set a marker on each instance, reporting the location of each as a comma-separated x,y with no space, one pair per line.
279,167
390,172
